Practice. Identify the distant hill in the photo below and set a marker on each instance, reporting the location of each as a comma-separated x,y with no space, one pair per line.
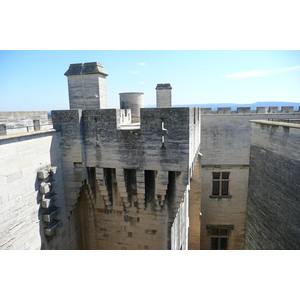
214,106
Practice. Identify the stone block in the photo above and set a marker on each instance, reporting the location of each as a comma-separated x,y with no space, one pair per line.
45,187
43,174
224,110
273,109
243,110
262,110
52,227
50,214
53,170
49,200
205,110
287,109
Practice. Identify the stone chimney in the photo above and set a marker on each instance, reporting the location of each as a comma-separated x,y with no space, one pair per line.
163,95
87,86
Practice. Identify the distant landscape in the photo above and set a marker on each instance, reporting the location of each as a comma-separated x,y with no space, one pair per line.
253,106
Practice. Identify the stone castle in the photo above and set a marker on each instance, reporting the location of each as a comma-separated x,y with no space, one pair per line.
140,178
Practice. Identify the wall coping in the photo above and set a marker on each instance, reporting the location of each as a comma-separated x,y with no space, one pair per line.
275,123
25,134
249,111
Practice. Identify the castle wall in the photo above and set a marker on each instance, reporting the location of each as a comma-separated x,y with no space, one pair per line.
224,210
141,174
69,123
273,202
225,146
21,213
16,122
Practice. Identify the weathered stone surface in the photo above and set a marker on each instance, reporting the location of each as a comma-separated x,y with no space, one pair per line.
163,95
21,224
273,201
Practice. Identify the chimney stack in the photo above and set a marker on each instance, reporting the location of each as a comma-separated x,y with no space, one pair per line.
87,86
163,95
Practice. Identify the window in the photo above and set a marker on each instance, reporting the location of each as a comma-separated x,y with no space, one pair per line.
220,186
219,239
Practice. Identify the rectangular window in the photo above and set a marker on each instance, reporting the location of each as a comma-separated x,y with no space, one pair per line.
219,239
220,185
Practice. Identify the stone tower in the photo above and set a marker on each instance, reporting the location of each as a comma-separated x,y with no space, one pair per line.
87,86
163,95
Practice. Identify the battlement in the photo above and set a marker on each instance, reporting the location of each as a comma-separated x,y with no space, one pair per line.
165,137
247,110
16,122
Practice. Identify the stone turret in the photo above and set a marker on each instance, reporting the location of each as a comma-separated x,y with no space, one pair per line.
87,86
163,95
133,101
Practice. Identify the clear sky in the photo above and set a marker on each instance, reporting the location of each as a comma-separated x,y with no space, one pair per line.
34,80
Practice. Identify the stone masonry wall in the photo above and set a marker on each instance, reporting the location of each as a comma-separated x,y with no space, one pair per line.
273,202
141,174
22,213
225,146
23,121
195,208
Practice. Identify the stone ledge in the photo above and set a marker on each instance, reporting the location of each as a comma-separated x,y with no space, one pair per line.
25,134
274,123
221,196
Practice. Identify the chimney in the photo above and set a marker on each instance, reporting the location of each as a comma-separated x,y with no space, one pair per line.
87,86
163,95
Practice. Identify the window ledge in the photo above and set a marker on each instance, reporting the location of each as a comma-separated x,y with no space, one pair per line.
221,196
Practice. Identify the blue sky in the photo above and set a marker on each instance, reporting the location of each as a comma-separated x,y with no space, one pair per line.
34,80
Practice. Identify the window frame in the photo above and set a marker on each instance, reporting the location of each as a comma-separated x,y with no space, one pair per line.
219,236
218,184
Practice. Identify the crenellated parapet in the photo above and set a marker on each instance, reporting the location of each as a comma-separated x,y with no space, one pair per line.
248,110
19,122
130,159
161,140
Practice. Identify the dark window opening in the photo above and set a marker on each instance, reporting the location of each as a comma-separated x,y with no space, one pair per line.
170,194
107,172
149,186
219,239
131,186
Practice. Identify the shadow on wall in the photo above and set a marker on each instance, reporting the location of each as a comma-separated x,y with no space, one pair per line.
49,189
